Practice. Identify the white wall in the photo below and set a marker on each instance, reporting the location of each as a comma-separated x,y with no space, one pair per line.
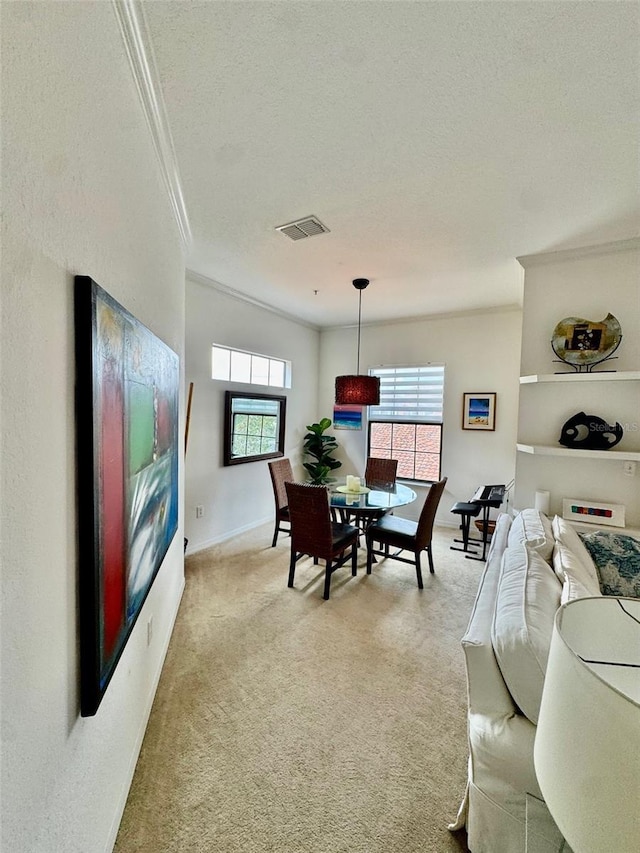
238,497
82,194
480,352
588,283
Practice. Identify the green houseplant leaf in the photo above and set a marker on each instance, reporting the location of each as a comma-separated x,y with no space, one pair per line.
319,448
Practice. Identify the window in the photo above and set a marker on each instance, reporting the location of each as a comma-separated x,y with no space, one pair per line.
254,427
232,365
407,425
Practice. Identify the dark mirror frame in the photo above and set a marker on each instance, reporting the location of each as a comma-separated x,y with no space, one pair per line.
229,397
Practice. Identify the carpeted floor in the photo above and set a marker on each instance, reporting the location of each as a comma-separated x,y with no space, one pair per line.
287,723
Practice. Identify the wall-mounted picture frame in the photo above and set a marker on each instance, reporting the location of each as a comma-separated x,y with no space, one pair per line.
254,427
127,418
479,410
593,512
347,417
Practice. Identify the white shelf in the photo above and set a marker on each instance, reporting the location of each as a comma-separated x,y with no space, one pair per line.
620,376
584,527
551,450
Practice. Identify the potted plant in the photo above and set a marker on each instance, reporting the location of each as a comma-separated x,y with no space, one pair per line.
320,447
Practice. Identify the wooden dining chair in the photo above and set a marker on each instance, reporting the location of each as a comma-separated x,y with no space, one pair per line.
280,471
393,532
381,474
314,534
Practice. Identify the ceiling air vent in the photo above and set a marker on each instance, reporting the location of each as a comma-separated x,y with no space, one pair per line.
307,227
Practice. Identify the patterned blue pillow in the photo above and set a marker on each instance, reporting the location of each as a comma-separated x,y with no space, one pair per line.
617,560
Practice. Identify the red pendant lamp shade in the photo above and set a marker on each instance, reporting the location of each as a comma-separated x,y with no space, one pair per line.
358,390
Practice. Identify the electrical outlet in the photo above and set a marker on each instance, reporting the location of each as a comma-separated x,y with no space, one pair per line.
199,511
629,468
149,630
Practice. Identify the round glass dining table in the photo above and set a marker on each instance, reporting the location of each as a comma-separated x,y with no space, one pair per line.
376,498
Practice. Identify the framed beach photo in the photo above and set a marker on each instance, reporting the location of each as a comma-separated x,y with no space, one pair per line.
479,410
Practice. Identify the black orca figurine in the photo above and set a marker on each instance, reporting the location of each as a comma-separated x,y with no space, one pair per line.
590,432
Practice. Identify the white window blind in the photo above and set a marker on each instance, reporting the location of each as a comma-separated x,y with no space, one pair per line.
409,393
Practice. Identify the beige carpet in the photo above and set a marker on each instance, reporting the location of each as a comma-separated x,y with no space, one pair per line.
286,723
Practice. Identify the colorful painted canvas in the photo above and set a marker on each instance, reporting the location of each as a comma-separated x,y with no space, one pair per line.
347,417
127,438
593,512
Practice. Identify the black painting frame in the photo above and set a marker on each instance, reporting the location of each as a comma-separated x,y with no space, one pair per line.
117,355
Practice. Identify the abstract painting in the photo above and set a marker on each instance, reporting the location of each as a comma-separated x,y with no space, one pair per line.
127,384
593,512
347,417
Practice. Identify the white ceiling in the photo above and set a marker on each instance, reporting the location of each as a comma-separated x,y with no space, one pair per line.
437,141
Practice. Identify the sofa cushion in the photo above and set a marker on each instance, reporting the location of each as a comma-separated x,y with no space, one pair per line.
533,527
487,692
526,603
574,588
567,535
565,562
617,559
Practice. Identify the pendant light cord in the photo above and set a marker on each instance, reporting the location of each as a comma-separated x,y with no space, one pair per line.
359,317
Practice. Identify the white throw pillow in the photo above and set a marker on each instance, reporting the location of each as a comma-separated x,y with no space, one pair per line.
574,588
566,562
526,603
565,534
533,527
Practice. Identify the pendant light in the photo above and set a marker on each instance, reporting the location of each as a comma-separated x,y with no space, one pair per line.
358,390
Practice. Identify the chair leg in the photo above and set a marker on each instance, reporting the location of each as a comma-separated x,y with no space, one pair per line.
354,560
292,567
369,555
419,571
430,556
327,581
275,535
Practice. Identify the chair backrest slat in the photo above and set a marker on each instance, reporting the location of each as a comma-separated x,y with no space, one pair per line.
380,472
311,531
281,471
428,514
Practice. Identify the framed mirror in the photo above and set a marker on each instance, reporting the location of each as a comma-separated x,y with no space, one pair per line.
253,427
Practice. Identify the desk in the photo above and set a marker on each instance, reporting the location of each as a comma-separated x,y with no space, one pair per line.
486,497
376,500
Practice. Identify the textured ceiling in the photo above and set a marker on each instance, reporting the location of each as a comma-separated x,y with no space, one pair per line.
437,141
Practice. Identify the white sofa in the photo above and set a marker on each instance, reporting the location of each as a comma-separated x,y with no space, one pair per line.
533,565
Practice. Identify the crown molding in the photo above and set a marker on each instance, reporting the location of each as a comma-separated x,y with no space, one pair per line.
137,41
430,318
629,245
198,278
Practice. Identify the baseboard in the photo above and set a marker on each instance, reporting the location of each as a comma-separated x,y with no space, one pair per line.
113,833
223,537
